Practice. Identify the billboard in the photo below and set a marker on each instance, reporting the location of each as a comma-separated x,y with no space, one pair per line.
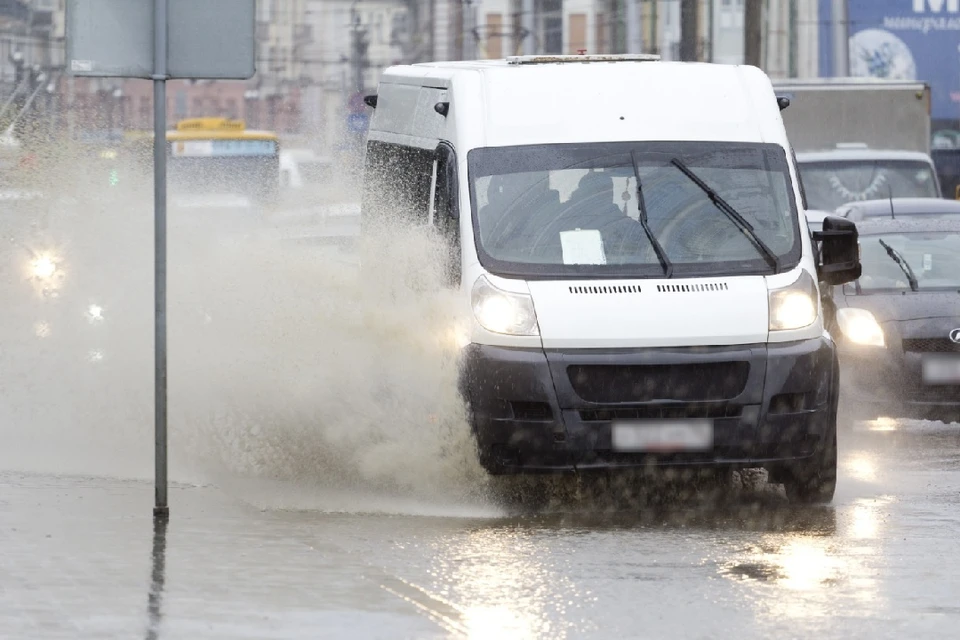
902,40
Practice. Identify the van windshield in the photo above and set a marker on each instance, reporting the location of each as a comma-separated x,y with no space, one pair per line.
573,209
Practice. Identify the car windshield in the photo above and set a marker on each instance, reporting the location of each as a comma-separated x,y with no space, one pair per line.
933,258
573,209
829,185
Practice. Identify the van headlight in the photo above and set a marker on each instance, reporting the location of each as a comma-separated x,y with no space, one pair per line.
795,306
860,327
503,312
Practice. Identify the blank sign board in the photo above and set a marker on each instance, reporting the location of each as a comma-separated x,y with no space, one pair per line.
206,39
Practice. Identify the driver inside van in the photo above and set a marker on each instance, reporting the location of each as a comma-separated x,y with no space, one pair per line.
592,206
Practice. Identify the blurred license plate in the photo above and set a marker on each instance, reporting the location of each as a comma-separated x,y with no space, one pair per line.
663,435
941,370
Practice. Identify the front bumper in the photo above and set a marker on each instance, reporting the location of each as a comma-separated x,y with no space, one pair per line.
536,410
878,381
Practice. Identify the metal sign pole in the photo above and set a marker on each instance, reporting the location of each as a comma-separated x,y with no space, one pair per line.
160,255
161,40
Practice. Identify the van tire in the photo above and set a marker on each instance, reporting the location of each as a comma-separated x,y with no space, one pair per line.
814,481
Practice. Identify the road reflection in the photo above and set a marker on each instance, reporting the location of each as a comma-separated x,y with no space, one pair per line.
158,564
810,574
544,575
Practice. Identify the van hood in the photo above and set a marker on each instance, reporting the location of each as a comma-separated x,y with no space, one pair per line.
651,313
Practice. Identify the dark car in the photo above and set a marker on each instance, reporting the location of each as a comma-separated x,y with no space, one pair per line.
947,162
897,327
900,208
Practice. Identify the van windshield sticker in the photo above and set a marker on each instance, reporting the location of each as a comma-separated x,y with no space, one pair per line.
582,246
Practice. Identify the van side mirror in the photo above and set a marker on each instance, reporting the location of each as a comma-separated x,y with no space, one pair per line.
839,252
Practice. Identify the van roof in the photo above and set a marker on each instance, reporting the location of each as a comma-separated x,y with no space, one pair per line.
534,100
513,61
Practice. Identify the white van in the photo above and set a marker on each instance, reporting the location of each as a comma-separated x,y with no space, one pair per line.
628,233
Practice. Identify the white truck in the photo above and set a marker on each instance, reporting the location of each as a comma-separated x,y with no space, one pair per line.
859,139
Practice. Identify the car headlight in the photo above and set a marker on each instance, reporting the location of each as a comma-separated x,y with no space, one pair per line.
795,306
860,327
503,312
95,313
43,267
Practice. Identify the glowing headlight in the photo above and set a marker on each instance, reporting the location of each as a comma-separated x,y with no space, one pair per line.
860,327
795,306
95,313
43,267
503,312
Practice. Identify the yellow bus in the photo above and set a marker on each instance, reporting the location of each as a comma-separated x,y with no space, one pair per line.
219,155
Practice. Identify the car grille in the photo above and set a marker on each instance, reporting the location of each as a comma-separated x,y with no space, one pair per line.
703,382
930,345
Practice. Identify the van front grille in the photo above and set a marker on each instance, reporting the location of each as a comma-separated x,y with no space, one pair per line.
678,411
698,382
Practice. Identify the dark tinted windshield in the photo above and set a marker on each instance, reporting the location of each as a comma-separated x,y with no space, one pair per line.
933,257
558,210
831,184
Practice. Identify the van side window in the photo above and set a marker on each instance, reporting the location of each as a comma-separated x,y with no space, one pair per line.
397,181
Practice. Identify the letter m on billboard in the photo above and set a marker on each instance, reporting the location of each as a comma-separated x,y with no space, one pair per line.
936,6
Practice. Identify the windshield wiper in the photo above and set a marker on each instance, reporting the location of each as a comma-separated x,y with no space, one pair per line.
642,208
903,264
745,227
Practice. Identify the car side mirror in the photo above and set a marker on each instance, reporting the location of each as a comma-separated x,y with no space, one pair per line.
839,251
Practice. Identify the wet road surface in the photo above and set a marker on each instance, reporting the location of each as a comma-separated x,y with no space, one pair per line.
81,557
241,557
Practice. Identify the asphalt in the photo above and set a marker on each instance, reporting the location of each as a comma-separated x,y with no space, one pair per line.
323,485
83,557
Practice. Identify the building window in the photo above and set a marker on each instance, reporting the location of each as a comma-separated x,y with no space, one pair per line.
551,25
578,32
494,40
600,33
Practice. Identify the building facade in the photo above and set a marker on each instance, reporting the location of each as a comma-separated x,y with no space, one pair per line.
315,57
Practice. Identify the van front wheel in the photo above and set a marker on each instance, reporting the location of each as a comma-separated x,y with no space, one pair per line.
814,480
